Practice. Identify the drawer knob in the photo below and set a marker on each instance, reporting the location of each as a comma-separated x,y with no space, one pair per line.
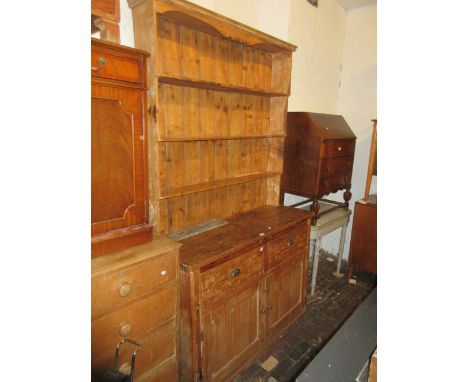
125,329
339,148
101,62
290,241
125,289
235,272
261,249
269,307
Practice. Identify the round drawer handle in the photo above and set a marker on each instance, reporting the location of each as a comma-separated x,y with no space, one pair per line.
269,307
261,248
125,289
339,148
163,273
125,329
235,272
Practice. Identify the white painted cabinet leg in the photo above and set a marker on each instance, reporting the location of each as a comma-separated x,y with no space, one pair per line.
340,252
315,265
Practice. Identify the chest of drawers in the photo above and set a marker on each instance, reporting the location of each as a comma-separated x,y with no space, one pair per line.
242,284
318,156
135,295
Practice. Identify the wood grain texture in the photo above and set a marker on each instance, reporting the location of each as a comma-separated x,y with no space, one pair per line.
219,101
363,247
119,188
234,301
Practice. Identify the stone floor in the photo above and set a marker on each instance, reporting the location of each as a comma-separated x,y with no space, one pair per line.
303,340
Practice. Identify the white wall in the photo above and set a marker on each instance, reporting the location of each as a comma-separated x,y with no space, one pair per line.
357,101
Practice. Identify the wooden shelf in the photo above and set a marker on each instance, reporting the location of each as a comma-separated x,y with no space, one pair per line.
191,189
219,138
199,84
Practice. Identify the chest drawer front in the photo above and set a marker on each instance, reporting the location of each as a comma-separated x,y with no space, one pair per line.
286,245
114,289
116,67
133,321
339,148
334,166
334,182
218,280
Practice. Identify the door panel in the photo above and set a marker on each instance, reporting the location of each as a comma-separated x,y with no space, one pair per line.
285,292
230,332
117,158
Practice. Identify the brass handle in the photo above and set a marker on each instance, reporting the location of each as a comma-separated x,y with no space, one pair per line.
125,329
101,62
125,289
261,248
269,307
263,310
235,272
290,241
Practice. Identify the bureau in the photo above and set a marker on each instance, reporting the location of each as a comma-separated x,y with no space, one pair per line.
318,157
242,284
134,294
119,190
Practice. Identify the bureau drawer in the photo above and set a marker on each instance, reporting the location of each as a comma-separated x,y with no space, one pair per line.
122,286
219,280
336,166
107,65
335,149
133,321
334,182
286,245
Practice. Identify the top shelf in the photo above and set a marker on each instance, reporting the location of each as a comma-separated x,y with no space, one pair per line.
199,84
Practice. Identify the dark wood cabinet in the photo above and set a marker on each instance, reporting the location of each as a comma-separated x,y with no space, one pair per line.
318,157
363,248
242,285
119,211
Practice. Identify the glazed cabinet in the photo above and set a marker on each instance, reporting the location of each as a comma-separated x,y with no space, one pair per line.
242,284
119,211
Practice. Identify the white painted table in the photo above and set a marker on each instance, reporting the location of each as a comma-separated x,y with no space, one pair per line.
326,223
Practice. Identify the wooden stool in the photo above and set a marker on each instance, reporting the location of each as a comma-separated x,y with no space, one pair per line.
327,222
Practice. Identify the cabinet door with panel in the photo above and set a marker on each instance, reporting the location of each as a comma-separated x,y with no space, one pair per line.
231,332
117,175
285,293
119,190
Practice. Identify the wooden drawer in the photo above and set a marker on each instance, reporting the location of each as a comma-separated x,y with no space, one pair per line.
334,182
166,373
157,346
137,319
116,67
340,148
122,286
336,166
216,282
286,245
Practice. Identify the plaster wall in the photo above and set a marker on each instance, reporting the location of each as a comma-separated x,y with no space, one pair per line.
357,102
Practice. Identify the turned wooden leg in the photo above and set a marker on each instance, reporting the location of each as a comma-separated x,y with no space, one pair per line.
347,196
315,209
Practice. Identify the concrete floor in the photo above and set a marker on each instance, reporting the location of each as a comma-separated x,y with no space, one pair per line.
323,317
